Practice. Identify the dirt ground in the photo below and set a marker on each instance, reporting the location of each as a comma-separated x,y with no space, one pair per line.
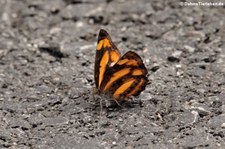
47,54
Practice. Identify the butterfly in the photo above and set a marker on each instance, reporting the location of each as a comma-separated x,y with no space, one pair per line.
119,77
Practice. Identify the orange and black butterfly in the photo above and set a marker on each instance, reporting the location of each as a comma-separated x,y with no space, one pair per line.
119,77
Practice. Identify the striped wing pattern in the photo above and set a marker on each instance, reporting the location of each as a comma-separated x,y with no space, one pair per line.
118,76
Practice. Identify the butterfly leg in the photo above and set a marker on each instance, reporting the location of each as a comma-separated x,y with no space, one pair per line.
118,103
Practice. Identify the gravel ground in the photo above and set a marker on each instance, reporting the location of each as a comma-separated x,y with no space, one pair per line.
47,54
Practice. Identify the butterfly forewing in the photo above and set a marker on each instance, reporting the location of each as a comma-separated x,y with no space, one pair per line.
121,77
107,55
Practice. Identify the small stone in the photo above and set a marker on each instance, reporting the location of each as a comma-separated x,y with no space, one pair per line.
223,108
189,48
223,125
173,59
177,53
217,121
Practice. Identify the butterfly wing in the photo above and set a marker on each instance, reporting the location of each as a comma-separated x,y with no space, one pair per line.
126,78
107,55
121,77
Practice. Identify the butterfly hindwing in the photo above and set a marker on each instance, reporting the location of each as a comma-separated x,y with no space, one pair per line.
126,78
121,77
